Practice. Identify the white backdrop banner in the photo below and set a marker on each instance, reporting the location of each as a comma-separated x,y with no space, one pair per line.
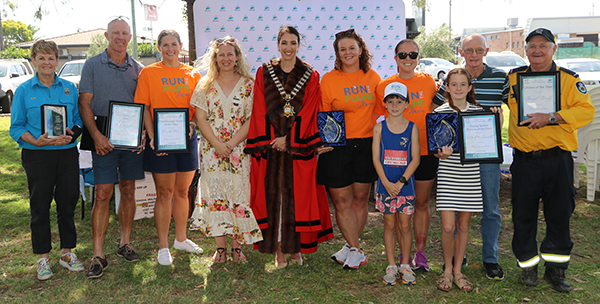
256,22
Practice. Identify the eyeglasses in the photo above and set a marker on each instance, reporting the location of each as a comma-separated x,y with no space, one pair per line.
479,51
412,55
112,65
349,32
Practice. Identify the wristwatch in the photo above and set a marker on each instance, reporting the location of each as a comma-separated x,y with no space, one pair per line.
552,118
403,180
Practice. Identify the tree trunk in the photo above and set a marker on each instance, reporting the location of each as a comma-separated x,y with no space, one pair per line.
191,30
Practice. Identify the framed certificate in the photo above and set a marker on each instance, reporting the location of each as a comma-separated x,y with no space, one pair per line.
54,120
538,92
171,129
442,130
332,128
125,124
480,137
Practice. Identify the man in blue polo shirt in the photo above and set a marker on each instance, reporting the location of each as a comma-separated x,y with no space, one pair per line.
491,90
112,75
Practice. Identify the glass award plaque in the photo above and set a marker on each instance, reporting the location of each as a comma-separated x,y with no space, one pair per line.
54,120
332,128
442,130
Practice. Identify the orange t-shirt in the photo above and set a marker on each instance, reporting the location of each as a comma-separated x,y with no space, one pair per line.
353,93
160,86
421,90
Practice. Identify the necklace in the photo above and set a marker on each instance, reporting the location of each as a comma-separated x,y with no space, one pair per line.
353,82
288,109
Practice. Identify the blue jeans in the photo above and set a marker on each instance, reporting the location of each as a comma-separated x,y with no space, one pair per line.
491,221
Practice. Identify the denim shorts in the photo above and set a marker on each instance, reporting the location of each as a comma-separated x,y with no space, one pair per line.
172,162
117,165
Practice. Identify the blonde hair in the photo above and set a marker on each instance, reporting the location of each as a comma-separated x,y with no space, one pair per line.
208,62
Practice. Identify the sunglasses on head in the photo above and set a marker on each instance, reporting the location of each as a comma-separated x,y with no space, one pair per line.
412,55
345,33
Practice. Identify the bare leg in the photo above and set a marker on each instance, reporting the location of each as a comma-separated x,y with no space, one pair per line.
405,236
221,243
280,256
181,203
165,183
126,209
448,238
344,213
389,237
463,221
104,193
360,202
422,216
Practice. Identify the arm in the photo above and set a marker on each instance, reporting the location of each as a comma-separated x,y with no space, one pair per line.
391,188
500,111
222,149
415,153
103,145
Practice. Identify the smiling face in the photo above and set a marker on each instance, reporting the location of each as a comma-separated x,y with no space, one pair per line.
539,52
407,65
169,46
348,52
395,105
226,58
458,86
473,49
45,63
288,46
118,35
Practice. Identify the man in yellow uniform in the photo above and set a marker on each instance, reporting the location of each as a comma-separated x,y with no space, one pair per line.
543,165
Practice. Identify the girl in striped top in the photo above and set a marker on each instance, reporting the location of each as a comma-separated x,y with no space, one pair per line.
458,187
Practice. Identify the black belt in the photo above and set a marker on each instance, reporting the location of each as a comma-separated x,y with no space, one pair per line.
539,154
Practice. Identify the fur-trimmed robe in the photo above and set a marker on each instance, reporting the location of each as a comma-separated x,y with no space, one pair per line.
288,177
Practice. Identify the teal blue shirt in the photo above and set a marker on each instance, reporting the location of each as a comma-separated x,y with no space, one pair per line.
26,109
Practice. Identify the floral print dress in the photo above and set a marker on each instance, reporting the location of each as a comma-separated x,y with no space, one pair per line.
223,202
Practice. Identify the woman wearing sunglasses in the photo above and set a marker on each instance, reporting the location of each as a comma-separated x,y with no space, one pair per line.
421,89
348,171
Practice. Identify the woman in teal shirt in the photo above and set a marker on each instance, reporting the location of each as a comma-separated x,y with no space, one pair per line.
51,161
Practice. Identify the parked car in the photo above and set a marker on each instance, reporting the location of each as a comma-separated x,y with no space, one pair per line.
71,71
436,67
587,68
12,74
505,60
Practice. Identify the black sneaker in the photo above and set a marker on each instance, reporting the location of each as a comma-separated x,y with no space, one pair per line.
97,266
529,276
128,253
556,277
494,271
465,264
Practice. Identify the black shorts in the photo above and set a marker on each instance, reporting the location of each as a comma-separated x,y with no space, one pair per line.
347,165
172,162
427,169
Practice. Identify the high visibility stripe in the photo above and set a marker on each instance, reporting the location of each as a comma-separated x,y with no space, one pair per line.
556,258
529,263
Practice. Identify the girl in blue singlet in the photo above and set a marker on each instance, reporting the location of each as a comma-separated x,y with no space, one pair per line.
396,156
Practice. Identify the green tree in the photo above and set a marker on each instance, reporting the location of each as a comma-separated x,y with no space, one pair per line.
99,43
15,32
14,52
436,43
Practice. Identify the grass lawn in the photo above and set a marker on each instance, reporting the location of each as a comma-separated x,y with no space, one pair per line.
192,278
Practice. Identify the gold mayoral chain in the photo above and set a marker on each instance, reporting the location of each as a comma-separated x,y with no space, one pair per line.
288,109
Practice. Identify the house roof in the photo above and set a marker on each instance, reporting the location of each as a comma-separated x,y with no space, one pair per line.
80,39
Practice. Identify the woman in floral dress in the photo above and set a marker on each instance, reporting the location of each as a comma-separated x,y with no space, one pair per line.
223,99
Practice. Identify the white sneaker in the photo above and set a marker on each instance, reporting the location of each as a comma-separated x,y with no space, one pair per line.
356,258
188,246
391,274
408,276
341,255
164,257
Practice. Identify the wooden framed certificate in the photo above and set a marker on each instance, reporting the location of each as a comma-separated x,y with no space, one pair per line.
538,92
54,120
332,128
480,137
171,129
125,125
442,130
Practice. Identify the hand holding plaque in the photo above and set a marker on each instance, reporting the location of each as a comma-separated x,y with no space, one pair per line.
54,120
125,125
171,129
538,92
332,128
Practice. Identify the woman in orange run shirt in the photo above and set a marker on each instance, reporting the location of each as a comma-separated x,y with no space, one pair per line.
169,84
348,171
421,89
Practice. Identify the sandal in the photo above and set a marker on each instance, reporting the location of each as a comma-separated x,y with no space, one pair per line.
241,258
219,256
445,280
461,281
298,261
